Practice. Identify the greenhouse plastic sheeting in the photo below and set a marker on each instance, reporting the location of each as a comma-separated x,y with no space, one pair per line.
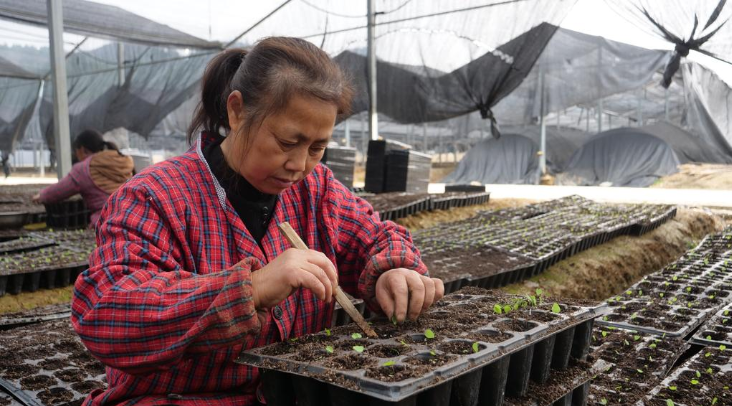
623,157
101,21
509,159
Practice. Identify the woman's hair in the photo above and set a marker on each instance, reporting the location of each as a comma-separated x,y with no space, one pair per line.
92,140
268,75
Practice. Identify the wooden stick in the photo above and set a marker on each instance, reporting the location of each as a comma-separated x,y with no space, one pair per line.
340,297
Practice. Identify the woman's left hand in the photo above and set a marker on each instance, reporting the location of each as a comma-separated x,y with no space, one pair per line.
403,293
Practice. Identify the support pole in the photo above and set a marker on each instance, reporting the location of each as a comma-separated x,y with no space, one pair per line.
424,138
640,111
373,118
60,97
665,104
120,64
348,133
542,107
599,116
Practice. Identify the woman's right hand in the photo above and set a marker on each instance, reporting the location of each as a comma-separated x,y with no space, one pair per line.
291,270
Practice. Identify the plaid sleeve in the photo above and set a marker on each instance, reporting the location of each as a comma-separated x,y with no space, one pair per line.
137,309
65,188
366,246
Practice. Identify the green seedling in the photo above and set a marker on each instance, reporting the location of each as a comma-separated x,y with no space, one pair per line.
636,338
356,336
358,348
672,388
329,349
476,348
433,353
327,332
388,363
497,309
429,334
669,402
556,308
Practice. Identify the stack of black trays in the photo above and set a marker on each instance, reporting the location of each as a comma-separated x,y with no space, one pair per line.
393,167
341,160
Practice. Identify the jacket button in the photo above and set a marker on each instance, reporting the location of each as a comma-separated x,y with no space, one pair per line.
277,311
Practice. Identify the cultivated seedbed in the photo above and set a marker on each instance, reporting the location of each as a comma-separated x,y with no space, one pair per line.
638,362
48,363
475,344
704,379
717,330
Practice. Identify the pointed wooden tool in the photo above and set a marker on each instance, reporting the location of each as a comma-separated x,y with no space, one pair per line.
340,297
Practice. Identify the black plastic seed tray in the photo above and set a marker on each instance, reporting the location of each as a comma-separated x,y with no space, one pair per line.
465,188
564,388
663,317
24,244
716,331
487,356
652,217
67,214
48,364
37,315
32,270
406,210
704,379
637,363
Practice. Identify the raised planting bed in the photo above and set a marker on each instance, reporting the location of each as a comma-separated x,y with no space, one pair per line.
537,209
717,330
704,379
483,266
49,267
48,364
24,244
637,361
37,315
473,346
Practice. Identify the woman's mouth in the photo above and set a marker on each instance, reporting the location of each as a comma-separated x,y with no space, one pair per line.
283,183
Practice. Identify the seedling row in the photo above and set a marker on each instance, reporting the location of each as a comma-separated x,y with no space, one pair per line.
473,346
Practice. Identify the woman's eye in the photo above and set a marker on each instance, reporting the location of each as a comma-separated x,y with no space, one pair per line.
317,150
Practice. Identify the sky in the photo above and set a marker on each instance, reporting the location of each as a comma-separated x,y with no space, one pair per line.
223,20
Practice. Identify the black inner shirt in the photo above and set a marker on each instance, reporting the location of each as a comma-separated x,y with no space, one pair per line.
255,208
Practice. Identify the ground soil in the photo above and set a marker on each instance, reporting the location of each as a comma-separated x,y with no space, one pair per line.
30,300
454,263
432,218
608,269
698,176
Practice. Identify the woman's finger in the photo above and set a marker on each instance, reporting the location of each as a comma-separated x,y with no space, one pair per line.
397,285
416,293
429,292
311,282
321,275
322,261
439,289
385,299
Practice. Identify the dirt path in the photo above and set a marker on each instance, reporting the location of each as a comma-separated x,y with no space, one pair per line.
608,269
698,176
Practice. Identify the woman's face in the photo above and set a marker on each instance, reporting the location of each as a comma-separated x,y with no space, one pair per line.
285,147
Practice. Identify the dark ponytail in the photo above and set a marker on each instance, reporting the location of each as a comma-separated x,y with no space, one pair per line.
93,141
267,76
211,114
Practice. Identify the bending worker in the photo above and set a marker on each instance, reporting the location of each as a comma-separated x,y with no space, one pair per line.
191,268
101,169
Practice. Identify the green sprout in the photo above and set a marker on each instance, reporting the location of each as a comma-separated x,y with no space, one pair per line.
388,363
476,348
358,348
429,334
556,308
329,349
356,336
327,332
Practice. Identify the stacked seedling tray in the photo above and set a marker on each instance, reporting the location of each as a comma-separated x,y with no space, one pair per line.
37,315
464,349
70,213
47,364
407,171
44,260
342,161
717,330
376,164
17,208
638,362
704,379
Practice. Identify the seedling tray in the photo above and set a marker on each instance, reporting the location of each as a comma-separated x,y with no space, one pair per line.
419,370
37,315
637,363
564,388
704,379
48,363
717,330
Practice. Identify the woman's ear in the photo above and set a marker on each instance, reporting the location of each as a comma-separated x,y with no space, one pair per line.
235,110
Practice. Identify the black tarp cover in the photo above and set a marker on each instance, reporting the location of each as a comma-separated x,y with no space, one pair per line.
511,159
623,157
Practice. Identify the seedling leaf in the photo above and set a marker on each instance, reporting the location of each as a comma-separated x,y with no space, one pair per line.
429,334
358,348
497,309
329,349
388,363
327,332
476,348
356,336
556,308
669,402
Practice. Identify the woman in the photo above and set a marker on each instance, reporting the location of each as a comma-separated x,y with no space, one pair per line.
101,169
191,268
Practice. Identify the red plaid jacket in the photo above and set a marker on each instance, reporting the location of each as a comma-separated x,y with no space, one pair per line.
167,305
